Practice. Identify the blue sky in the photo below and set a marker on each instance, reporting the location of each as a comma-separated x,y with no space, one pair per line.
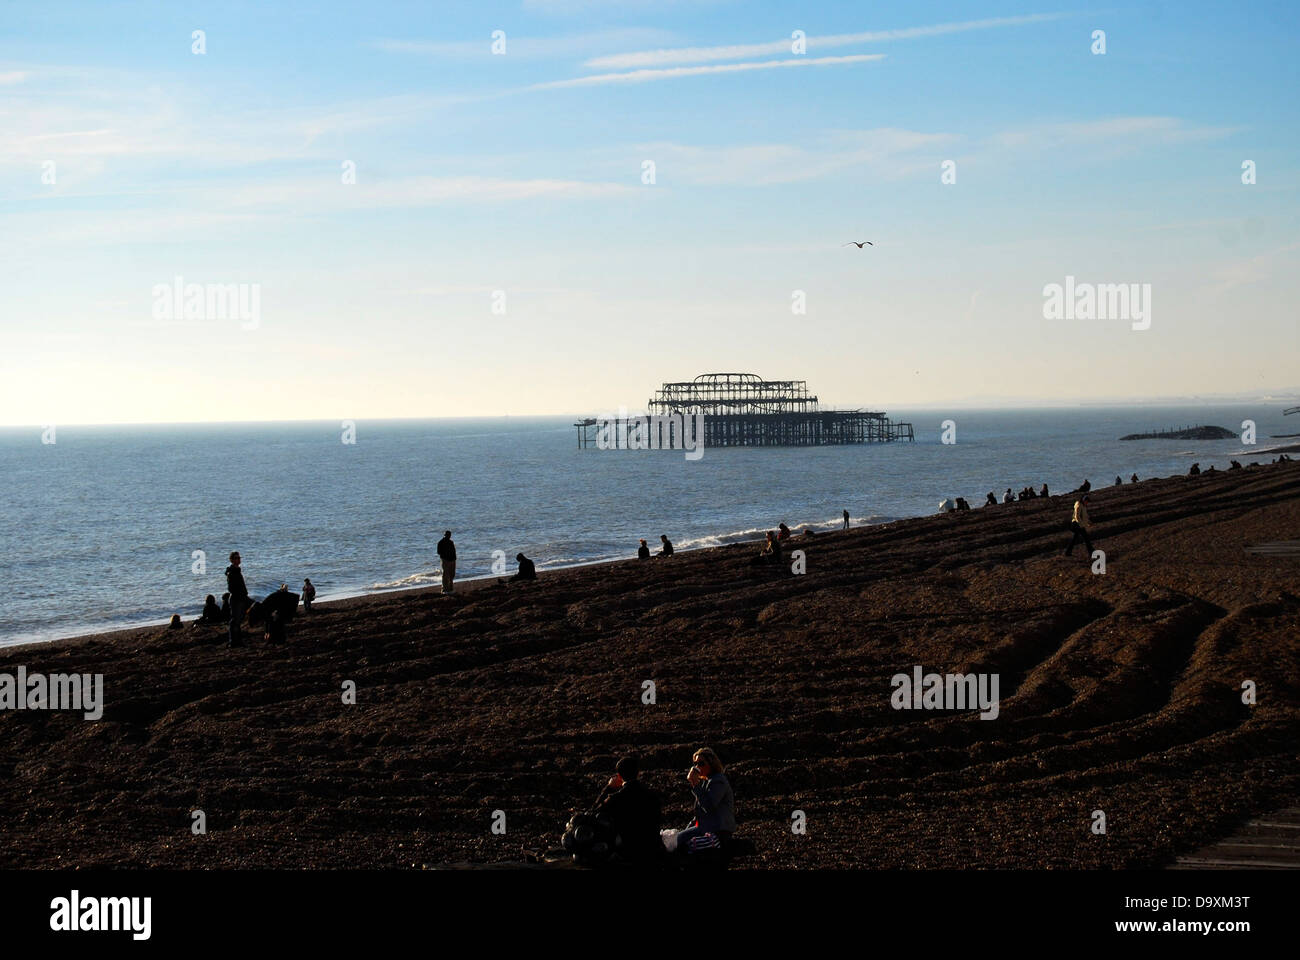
523,173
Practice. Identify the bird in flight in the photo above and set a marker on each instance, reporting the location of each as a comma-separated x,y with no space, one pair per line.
859,245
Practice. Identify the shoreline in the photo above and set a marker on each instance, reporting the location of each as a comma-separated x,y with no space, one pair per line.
123,626
333,598
467,585
479,581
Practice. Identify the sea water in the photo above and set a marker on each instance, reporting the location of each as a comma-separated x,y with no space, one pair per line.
113,526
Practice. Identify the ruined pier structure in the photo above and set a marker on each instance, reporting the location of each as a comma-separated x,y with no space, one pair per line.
739,410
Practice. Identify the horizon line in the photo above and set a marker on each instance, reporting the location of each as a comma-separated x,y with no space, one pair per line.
969,404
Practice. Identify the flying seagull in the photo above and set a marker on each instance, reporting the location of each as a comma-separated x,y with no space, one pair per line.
867,242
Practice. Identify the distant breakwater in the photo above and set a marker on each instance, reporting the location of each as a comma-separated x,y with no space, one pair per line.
1186,433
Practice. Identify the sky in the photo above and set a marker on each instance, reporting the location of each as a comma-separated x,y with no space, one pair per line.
622,194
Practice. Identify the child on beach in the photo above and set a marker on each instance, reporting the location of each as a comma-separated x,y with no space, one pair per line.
308,594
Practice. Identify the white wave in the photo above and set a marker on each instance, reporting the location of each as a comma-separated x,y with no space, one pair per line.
414,580
758,533
696,543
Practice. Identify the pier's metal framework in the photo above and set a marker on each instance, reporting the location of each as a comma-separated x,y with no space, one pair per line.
744,410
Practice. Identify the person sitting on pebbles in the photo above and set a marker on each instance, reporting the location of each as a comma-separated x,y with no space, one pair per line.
211,612
771,552
527,569
715,817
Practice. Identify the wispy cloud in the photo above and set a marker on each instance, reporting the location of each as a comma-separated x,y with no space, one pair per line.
571,7
1257,269
13,76
298,196
188,209
642,76
685,55
1110,130
762,164
142,122
526,47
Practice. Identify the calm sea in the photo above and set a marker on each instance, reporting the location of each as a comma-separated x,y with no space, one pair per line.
100,529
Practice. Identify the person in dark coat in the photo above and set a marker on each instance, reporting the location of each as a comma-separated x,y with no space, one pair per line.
527,569
634,812
274,612
667,550
211,612
238,597
643,552
225,608
447,554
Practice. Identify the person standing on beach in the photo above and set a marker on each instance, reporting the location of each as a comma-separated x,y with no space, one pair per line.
667,550
1079,525
238,597
447,554
846,519
308,594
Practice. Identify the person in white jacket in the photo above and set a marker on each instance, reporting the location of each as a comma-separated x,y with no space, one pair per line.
1079,526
